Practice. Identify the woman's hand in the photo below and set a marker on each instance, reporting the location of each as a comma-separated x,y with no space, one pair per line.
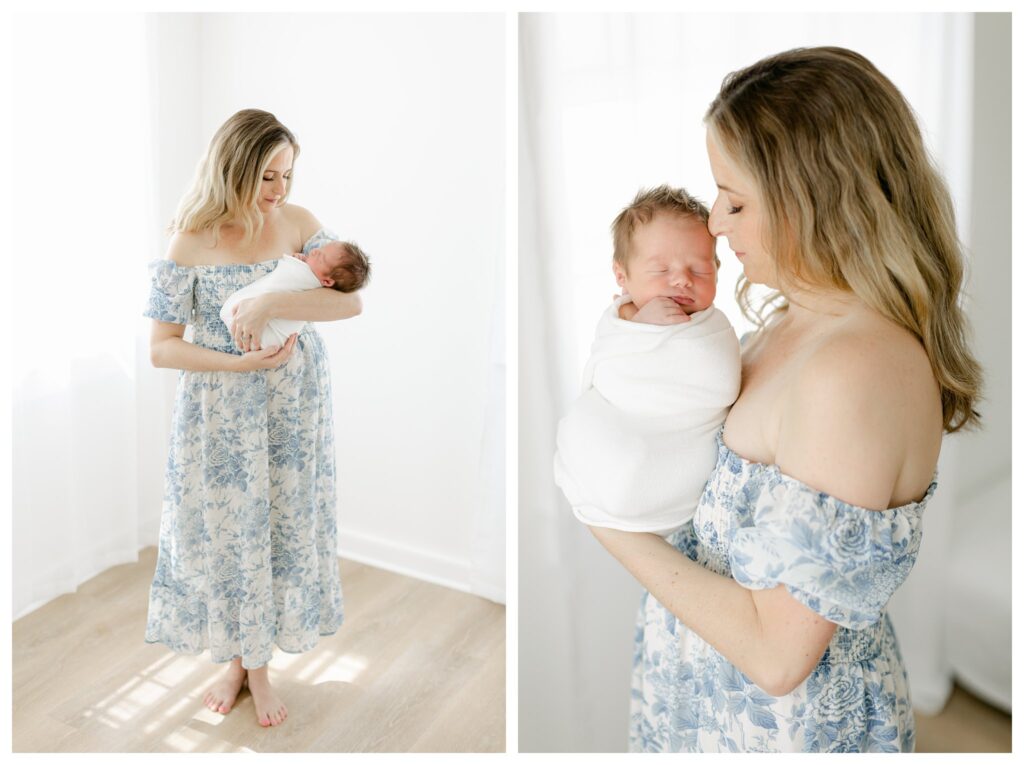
269,358
250,318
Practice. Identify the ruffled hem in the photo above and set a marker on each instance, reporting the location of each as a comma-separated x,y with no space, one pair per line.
180,622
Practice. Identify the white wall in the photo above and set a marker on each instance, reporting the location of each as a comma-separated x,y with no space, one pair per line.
978,623
400,119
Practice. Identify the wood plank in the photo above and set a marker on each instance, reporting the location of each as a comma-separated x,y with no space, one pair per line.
415,667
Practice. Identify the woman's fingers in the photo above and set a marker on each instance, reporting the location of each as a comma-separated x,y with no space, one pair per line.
246,341
283,353
241,336
274,355
286,349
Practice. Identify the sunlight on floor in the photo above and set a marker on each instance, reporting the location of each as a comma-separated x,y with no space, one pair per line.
172,711
174,669
343,669
124,703
284,660
185,740
171,689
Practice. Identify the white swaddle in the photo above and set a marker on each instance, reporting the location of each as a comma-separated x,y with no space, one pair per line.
290,275
637,447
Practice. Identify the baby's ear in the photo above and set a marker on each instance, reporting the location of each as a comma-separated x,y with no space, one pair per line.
327,281
620,274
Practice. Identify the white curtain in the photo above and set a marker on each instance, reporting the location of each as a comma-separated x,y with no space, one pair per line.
82,223
111,113
610,103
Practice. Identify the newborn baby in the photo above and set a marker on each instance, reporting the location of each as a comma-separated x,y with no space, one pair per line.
339,265
637,447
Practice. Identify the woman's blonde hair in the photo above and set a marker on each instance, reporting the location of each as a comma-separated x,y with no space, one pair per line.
226,186
852,201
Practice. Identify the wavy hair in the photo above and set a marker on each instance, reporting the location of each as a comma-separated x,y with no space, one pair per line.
852,201
226,185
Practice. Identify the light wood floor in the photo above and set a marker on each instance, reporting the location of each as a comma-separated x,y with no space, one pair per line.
965,725
415,667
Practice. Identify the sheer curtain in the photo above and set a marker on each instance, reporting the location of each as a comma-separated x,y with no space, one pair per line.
83,216
610,103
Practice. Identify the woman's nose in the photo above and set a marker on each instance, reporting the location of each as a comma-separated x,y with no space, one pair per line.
716,219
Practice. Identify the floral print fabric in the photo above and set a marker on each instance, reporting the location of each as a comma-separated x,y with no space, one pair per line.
247,556
764,528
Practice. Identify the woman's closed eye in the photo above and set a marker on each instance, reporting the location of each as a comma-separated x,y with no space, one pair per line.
734,210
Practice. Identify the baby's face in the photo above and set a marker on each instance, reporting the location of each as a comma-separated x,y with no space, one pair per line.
671,256
323,260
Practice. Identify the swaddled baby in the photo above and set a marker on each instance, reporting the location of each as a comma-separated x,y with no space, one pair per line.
637,447
339,265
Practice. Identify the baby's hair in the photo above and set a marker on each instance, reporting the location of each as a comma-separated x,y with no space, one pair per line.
353,272
643,208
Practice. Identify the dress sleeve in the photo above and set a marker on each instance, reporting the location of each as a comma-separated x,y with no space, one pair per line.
841,561
320,238
172,292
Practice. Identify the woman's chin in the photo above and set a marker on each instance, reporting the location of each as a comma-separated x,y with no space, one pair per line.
754,276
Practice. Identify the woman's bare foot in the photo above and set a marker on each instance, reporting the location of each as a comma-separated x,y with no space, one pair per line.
222,694
269,708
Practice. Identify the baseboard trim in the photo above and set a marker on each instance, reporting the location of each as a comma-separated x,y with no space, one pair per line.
403,559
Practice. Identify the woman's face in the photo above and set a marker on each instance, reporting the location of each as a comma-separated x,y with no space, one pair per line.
737,215
275,179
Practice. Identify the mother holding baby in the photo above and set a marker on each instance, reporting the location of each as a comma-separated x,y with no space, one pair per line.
764,626
247,555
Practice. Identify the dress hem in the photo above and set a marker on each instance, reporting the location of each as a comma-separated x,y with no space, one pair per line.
184,652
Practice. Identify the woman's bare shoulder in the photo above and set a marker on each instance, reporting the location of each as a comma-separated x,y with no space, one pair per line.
871,349
302,219
186,248
855,412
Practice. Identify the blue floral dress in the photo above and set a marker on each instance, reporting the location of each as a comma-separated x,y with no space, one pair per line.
248,553
763,528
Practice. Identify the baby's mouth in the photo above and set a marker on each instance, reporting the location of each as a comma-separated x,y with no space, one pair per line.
682,299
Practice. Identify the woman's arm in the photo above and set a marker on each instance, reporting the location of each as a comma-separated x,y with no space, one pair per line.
168,349
319,304
837,435
769,636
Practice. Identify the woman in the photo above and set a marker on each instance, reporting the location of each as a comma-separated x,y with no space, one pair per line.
247,554
764,626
